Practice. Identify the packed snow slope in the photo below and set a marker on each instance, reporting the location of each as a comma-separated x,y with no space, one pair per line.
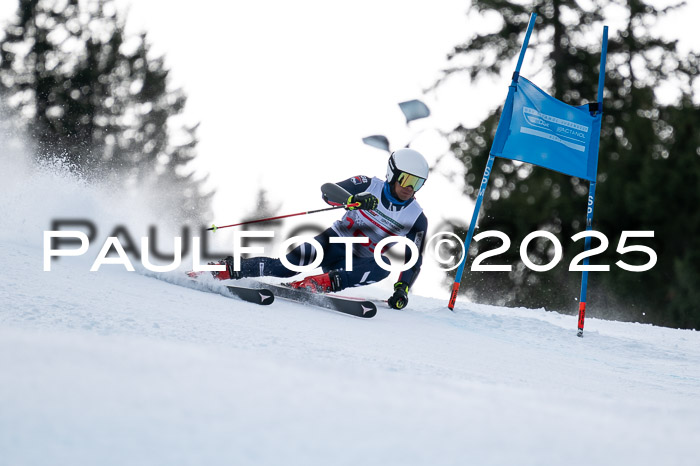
115,367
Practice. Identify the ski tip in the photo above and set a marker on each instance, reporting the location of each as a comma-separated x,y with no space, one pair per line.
266,297
252,295
369,309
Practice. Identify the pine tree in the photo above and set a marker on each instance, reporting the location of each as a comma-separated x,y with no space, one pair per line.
99,99
640,157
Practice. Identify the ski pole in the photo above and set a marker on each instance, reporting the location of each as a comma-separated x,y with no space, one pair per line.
335,206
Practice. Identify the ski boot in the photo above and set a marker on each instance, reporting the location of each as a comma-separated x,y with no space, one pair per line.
323,283
228,274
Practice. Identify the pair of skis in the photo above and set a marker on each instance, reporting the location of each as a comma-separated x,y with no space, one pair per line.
265,294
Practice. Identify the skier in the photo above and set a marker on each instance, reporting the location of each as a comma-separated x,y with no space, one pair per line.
386,208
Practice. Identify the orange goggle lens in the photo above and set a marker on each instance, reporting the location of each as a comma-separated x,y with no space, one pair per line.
406,180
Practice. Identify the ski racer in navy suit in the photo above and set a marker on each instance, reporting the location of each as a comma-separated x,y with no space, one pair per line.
383,208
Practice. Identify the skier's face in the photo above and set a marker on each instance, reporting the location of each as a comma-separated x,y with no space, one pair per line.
403,193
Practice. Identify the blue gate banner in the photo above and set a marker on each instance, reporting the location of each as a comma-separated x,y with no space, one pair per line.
546,132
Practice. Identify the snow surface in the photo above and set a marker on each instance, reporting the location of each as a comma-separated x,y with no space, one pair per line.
117,367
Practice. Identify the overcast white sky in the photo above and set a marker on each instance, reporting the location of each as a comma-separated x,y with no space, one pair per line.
300,84
285,90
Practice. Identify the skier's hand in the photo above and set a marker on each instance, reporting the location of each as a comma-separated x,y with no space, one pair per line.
367,201
399,299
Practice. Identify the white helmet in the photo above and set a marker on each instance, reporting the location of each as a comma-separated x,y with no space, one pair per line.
409,163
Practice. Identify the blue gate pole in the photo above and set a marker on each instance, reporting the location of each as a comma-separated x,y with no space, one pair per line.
586,247
470,232
497,148
591,192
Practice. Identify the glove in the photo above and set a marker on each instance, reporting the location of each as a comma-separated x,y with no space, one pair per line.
367,201
399,299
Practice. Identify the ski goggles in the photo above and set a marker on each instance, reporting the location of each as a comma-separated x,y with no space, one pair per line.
406,179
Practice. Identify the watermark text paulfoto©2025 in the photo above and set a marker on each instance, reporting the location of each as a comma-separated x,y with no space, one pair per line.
439,247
